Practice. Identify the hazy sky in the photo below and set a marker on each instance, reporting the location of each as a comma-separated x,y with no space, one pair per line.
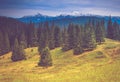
19,8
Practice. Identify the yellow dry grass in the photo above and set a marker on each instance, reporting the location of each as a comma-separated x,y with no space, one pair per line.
99,65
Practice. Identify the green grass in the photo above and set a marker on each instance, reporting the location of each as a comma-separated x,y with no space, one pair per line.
92,66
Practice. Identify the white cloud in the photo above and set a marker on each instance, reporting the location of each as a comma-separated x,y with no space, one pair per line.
56,7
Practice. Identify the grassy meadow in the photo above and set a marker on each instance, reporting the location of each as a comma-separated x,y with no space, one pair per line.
99,65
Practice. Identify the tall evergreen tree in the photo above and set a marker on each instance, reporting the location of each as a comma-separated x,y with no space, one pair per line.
110,32
42,41
71,35
99,33
89,42
103,27
17,52
57,36
46,59
32,35
23,40
78,41
116,31
46,33
51,37
65,43
1,43
6,43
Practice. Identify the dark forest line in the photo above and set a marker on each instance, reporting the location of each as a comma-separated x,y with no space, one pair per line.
15,36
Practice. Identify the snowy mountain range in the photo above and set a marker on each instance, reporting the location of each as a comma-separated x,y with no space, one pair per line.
65,19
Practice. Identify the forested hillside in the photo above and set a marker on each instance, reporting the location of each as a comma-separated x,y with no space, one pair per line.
50,48
74,36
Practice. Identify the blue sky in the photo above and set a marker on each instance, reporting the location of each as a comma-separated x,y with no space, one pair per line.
19,8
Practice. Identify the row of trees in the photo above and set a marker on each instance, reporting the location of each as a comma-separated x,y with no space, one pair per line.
15,37
74,37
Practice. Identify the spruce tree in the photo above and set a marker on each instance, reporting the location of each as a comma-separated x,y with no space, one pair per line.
45,59
71,35
34,38
116,31
42,41
32,35
65,42
89,42
51,37
77,41
46,33
57,36
99,33
17,52
5,43
110,29
103,27
1,43
23,40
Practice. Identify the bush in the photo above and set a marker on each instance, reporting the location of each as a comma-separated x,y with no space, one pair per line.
99,54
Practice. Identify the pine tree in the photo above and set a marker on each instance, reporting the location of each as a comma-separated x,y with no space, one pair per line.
42,41
6,43
116,33
23,40
32,35
77,41
1,43
46,33
103,27
89,37
113,30
71,35
99,33
57,36
34,38
17,52
51,37
46,59
110,32
65,43
39,30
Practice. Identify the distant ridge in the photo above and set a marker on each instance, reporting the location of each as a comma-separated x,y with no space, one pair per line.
65,19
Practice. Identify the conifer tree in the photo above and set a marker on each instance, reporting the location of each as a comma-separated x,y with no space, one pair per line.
113,30
51,37
89,38
42,41
1,42
110,29
65,43
99,33
17,52
46,33
77,41
32,35
23,40
116,31
34,38
57,36
6,43
71,35
103,27
45,59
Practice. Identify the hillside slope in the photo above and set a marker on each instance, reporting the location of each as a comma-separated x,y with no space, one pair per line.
99,65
